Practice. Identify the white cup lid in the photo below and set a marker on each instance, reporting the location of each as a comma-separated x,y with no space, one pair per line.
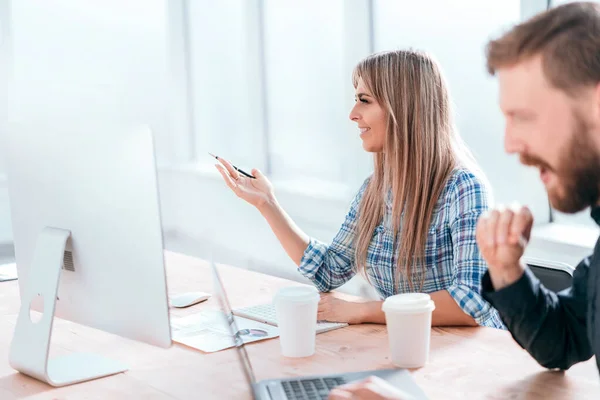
297,294
408,302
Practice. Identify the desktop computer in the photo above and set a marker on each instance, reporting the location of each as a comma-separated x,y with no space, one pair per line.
88,241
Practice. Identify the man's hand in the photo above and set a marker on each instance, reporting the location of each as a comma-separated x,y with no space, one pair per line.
502,235
372,388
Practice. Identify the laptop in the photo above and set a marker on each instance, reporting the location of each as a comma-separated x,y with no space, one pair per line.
265,313
307,387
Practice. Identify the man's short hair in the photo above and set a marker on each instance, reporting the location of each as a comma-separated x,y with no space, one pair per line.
567,38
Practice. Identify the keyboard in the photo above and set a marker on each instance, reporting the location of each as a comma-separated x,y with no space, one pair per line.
266,313
310,389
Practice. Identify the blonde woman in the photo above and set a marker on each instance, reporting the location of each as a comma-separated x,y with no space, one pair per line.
411,227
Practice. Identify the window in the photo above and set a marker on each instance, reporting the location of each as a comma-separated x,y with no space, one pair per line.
305,88
94,60
272,85
456,34
226,89
554,3
98,60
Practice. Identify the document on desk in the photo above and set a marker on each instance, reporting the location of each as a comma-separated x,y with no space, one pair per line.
8,272
207,331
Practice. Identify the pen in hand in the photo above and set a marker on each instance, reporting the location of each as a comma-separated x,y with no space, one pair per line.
236,168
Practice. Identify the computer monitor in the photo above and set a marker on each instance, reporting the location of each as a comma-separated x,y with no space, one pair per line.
88,241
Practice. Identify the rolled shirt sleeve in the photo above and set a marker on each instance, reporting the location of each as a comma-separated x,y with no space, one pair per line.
330,266
470,201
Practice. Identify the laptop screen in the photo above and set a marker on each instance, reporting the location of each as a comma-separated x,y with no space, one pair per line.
221,295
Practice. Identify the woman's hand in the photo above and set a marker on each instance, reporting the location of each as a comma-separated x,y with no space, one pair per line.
372,388
257,192
332,308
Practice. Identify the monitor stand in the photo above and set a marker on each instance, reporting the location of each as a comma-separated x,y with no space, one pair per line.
31,342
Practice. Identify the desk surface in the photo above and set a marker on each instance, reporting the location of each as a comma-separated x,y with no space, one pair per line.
465,363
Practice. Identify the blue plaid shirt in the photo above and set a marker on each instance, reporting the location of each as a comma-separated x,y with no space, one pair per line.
452,259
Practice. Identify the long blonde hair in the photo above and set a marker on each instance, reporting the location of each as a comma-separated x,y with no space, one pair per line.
421,150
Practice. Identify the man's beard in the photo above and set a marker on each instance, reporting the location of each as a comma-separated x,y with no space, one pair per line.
578,173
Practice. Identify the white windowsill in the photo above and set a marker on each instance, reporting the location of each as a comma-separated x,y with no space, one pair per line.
571,235
560,242
315,199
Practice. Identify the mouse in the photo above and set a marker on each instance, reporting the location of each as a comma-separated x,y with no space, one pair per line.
188,299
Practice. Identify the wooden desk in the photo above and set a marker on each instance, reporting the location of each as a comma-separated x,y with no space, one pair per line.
465,363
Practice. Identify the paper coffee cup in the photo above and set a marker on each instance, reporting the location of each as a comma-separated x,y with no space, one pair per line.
408,319
296,309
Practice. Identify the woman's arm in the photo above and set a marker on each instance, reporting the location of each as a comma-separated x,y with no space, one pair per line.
291,237
461,302
328,266
446,313
259,193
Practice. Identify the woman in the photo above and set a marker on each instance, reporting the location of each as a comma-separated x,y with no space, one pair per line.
411,227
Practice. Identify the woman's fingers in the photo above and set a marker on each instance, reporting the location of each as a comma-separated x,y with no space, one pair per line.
323,309
227,178
232,171
257,173
338,394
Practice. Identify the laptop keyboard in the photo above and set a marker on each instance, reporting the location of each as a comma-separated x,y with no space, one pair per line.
310,389
266,313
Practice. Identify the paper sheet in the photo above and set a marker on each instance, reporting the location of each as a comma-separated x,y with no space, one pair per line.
208,331
8,272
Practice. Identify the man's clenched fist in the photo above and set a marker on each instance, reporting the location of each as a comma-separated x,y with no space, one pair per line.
502,235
